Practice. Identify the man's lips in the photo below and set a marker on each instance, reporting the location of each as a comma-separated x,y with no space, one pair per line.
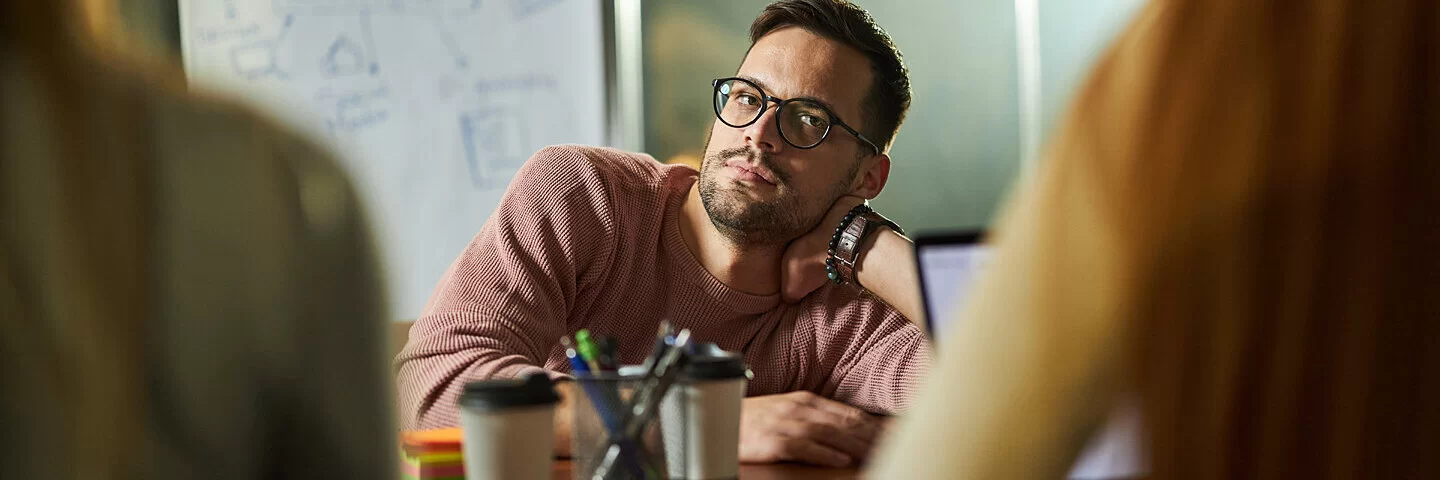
745,171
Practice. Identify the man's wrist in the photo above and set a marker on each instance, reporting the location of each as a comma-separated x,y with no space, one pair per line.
853,236
883,234
876,224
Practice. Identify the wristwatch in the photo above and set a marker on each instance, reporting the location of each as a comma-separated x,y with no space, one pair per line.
844,254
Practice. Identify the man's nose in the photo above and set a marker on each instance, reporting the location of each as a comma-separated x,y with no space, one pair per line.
764,133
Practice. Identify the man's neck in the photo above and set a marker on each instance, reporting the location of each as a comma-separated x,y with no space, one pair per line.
753,270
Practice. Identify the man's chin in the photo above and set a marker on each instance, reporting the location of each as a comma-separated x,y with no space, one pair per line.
745,229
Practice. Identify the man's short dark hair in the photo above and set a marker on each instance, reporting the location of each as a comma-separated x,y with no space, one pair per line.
887,101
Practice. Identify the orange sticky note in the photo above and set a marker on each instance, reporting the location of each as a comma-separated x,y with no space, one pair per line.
418,442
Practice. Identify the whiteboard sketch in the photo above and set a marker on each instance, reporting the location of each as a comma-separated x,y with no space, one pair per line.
432,104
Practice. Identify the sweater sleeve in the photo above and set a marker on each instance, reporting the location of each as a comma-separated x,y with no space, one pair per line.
879,357
500,309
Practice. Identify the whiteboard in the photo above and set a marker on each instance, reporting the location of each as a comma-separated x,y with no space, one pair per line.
431,104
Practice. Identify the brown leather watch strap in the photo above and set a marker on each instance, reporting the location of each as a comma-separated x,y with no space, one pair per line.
847,250
845,246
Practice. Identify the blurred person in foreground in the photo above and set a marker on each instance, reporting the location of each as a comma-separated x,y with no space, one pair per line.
187,291
1236,225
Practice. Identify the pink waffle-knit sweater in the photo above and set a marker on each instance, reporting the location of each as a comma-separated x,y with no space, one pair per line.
589,238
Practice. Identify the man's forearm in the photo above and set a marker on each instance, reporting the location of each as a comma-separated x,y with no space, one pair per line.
887,269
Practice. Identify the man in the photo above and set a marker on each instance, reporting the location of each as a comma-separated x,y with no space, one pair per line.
615,242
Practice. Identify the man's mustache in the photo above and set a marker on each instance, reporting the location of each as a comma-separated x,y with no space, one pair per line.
761,158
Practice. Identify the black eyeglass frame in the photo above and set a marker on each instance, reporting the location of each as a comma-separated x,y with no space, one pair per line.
780,104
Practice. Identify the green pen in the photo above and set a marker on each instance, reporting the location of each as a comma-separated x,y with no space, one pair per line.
587,350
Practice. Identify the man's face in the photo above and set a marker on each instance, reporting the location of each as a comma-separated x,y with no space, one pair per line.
760,190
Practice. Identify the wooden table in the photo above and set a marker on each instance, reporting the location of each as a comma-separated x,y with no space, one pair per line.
785,471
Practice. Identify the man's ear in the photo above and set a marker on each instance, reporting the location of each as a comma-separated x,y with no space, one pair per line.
874,172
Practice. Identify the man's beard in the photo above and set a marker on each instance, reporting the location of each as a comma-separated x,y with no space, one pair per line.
748,222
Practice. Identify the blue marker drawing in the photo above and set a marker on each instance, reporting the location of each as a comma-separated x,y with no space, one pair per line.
285,28
353,111
256,60
345,57
496,144
522,9
449,40
229,33
369,42
259,59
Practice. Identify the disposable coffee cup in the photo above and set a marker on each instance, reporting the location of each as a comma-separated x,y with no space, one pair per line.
700,416
509,428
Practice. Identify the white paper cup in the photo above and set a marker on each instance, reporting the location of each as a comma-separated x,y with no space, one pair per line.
509,428
700,417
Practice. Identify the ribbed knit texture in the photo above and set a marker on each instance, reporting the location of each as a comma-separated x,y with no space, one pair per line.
589,237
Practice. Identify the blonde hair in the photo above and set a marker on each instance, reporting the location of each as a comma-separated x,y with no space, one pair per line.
1269,171
76,308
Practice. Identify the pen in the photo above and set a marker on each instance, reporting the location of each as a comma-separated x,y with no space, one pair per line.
586,349
662,338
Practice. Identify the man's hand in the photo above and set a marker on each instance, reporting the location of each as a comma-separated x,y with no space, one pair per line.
808,428
802,269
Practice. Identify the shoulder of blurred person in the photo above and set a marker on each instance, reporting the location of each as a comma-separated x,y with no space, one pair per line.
1263,285
265,341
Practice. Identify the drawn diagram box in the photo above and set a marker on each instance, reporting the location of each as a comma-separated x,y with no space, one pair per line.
253,60
496,144
354,111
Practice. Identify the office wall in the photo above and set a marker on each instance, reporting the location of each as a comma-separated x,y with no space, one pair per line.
1073,34
959,150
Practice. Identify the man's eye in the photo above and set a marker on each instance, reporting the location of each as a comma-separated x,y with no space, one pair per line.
747,99
813,121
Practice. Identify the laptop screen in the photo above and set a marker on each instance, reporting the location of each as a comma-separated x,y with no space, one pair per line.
948,269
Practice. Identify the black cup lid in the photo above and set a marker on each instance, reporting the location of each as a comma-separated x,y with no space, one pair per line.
710,362
491,395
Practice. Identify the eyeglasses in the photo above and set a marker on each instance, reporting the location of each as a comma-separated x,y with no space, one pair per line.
803,123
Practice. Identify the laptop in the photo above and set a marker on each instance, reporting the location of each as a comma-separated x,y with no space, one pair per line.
949,264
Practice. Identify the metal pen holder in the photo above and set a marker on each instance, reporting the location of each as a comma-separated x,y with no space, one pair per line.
606,444
628,412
